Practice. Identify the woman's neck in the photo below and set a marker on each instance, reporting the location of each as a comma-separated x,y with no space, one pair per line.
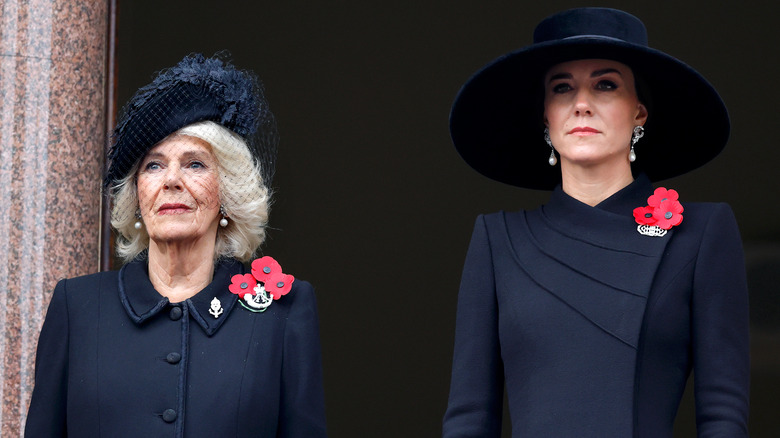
179,270
593,185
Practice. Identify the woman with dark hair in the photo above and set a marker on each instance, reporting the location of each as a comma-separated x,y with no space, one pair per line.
184,340
593,310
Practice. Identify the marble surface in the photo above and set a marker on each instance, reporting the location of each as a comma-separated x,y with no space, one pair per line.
52,137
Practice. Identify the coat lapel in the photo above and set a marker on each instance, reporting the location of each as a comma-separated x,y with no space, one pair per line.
591,258
142,302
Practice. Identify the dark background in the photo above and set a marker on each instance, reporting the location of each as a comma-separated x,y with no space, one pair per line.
374,206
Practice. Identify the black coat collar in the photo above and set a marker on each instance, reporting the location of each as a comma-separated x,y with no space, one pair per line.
610,223
592,258
142,301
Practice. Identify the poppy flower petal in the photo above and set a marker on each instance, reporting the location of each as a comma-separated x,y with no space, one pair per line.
644,215
661,194
242,284
668,214
265,267
664,209
279,285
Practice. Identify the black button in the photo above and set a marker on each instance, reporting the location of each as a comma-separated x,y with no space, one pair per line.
169,416
173,357
176,313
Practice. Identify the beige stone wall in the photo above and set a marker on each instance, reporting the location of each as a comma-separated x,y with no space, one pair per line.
52,137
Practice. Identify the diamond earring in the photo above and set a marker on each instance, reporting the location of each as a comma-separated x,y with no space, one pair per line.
553,160
639,132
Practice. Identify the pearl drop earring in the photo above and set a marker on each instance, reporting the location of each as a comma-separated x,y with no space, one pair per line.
222,222
138,223
639,132
553,160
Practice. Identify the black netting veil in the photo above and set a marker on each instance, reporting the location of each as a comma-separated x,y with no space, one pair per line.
197,143
196,89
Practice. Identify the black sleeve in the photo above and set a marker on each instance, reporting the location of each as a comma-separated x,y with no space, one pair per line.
302,410
47,414
720,326
476,391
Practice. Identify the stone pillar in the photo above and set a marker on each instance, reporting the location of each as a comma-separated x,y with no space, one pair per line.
52,137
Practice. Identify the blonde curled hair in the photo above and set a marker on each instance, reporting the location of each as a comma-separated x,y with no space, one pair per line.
244,197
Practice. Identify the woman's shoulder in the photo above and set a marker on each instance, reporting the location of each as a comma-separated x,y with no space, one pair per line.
82,290
302,286
301,292
707,207
297,306
500,216
706,222
89,281
498,220
708,214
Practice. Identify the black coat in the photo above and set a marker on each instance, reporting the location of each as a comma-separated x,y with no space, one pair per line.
594,328
116,359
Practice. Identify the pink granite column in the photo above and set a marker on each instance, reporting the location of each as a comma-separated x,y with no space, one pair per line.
52,135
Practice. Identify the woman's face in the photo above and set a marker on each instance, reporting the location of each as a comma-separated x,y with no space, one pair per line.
178,190
591,109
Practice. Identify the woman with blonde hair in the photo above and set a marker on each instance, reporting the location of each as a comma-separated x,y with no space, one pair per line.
190,337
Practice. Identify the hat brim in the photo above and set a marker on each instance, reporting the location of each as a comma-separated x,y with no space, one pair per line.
496,119
164,114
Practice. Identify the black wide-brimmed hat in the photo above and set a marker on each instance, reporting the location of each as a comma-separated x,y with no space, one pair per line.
496,120
194,90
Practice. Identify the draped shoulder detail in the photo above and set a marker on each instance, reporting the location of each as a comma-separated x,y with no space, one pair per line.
590,258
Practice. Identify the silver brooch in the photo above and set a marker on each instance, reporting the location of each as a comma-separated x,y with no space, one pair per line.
259,301
651,230
216,308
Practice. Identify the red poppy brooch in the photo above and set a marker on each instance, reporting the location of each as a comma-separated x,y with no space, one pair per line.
663,212
265,284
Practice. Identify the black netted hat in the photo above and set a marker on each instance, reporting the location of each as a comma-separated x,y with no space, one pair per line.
196,89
